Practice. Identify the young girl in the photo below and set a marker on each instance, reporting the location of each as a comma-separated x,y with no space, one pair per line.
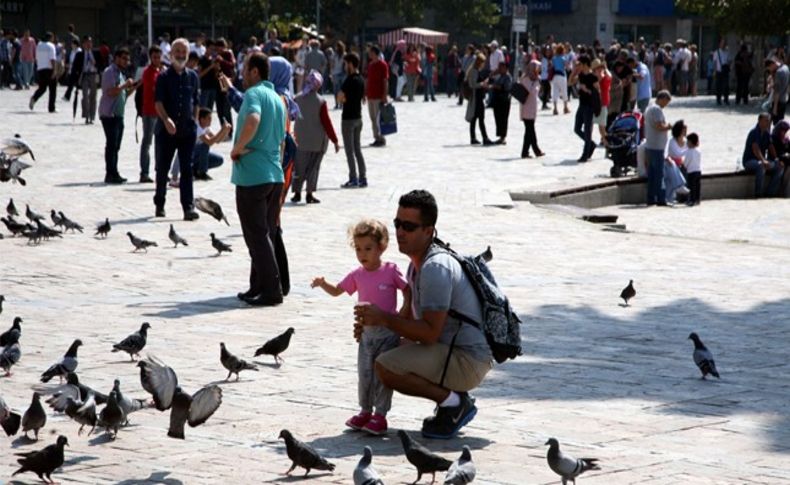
378,283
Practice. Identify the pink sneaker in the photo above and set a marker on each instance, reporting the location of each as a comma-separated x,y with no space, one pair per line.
359,421
377,425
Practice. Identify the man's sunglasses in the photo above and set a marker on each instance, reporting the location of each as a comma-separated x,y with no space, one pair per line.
406,225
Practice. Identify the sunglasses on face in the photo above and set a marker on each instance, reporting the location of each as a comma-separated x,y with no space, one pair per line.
406,225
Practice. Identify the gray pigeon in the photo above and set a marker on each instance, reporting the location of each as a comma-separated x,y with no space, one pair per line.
364,473
16,328
233,364
211,208
68,363
276,346
11,209
35,417
75,389
56,219
84,413
176,238
303,455
194,409
11,353
628,292
140,243
703,357
16,228
567,466
112,417
129,405
32,215
104,228
69,224
17,147
47,232
158,380
9,420
43,462
462,471
219,245
11,169
422,458
134,343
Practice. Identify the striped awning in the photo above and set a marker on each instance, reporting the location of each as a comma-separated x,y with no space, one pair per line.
413,35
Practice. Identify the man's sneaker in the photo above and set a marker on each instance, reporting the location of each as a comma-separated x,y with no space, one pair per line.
160,212
363,182
449,420
351,184
377,425
145,179
359,421
31,104
190,215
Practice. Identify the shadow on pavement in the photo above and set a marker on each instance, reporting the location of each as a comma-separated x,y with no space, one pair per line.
182,309
153,478
351,443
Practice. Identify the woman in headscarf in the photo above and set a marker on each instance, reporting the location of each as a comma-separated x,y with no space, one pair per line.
529,110
312,130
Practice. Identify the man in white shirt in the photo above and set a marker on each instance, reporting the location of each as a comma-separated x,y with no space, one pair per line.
721,63
496,57
46,57
681,61
199,46
164,44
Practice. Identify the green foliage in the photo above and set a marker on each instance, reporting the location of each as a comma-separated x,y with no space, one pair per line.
745,17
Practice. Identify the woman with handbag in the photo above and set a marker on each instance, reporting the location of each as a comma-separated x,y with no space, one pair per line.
475,110
529,109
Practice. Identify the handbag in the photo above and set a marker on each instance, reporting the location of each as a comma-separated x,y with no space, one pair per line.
518,91
388,120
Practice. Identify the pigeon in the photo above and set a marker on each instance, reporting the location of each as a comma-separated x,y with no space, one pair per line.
9,420
364,473
211,208
16,328
462,471
219,245
16,228
47,232
75,389
43,462
17,147
104,228
176,238
112,416
11,169
140,243
32,215
162,383
303,455
567,466
422,458
276,346
10,209
35,417
134,343
65,365
628,292
703,357
11,353
129,405
233,364
84,413
56,219
2,299
69,224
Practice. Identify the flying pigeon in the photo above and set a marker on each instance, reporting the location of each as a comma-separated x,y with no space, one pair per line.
211,208
84,413
74,389
104,228
16,147
219,245
11,169
276,346
364,473
303,455
422,458
69,224
9,420
176,238
32,215
628,292
43,462
703,357
11,209
11,353
16,328
233,364
462,471
112,416
56,219
567,466
129,405
140,243
134,343
68,363
35,417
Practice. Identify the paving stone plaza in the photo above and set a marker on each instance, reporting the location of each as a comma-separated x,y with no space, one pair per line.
612,382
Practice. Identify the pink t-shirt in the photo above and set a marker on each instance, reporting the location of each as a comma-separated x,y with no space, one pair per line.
379,287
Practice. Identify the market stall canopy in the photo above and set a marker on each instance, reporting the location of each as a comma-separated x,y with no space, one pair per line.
413,35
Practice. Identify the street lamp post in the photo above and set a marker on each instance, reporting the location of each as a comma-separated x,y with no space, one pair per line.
150,26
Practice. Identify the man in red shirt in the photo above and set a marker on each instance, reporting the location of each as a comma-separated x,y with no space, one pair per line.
376,91
150,116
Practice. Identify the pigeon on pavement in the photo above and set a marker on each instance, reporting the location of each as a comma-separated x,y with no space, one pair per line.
233,364
9,420
56,219
11,209
219,245
303,455
32,216
69,224
276,346
68,363
422,458
567,466
211,208
462,471
104,228
17,147
11,169
43,462
129,405
75,389
628,292
11,353
112,416
176,238
364,473
134,343
16,328
140,243
35,417
703,357
84,413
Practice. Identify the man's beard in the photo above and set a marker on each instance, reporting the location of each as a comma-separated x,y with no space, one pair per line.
179,64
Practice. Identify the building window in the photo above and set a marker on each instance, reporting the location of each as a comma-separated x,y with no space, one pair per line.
625,33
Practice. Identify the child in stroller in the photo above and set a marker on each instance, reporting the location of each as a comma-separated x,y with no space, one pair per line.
623,138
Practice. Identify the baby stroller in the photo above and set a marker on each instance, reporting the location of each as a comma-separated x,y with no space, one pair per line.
622,140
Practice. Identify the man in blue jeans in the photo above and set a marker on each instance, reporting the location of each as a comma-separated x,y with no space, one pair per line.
656,138
759,158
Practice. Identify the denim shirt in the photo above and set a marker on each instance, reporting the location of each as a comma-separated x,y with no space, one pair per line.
179,94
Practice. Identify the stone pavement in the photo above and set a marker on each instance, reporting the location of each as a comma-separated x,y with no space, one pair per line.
610,382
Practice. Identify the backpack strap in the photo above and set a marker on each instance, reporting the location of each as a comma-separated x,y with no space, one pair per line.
449,353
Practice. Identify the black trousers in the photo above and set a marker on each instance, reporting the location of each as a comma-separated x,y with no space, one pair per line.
258,207
113,134
165,148
46,81
530,138
223,109
742,88
501,115
545,92
723,84
693,180
480,115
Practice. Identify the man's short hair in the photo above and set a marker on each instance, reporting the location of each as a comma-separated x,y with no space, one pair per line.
376,50
260,62
154,49
423,201
664,94
352,58
693,138
274,51
49,36
121,51
764,116
203,112
86,38
193,56
584,59
221,42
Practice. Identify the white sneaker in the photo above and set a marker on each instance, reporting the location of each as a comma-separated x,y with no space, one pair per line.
683,190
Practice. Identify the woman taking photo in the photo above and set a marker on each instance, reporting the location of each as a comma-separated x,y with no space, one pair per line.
475,110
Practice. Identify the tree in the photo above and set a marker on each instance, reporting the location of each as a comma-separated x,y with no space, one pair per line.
744,17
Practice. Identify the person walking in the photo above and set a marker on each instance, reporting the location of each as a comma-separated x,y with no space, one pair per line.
115,87
428,64
351,95
500,101
559,81
529,110
588,94
27,58
656,139
89,81
475,109
721,62
412,69
46,62
376,92
258,176
177,94
744,67
466,63
72,71
150,74
452,66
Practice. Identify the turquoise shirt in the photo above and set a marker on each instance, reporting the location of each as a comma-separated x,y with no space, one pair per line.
262,164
